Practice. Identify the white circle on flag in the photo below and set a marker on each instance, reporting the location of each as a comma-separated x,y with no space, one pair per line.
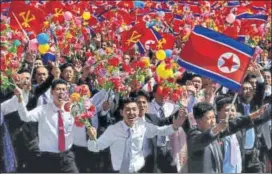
228,62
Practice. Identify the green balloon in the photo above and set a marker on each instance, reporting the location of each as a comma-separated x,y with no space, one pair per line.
17,43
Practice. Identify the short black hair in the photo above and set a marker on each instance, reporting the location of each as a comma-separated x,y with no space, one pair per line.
220,103
142,93
201,108
155,87
250,76
65,65
125,101
58,81
24,71
266,70
196,75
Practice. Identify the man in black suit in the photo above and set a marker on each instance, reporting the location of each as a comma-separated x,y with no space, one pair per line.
24,135
204,148
254,139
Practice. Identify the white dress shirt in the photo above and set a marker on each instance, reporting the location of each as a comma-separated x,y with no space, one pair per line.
147,146
115,138
47,116
10,105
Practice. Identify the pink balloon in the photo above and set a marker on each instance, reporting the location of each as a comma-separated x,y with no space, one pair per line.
78,22
230,18
68,16
33,45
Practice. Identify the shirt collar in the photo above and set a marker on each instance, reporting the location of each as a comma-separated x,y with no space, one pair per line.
156,105
55,108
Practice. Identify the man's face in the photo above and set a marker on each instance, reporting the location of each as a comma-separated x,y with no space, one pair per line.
126,59
38,63
41,75
59,94
26,80
142,104
227,110
197,81
130,113
104,45
68,74
267,78
207,121
253,82
247,92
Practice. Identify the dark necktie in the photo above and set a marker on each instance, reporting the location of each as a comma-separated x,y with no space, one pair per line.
61,132
162,115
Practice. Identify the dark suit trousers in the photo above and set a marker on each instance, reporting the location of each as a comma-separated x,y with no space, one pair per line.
58,162
86,161
165,159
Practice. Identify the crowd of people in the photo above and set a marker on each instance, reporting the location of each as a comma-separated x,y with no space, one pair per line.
145,120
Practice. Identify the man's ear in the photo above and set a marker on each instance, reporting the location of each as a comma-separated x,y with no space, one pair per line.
121,112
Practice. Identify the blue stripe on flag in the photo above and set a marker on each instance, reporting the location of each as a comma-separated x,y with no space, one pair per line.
140,47
252,16
156,34
218,37
233,3
223,81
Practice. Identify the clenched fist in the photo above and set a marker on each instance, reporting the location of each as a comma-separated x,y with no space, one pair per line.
92,133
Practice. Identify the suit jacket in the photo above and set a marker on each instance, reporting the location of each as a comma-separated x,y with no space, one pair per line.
22,131
201,147
251,156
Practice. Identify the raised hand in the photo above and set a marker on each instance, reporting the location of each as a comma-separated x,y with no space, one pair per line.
182,115
259,112
92,133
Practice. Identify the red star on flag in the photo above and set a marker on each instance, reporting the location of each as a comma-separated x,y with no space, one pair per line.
229,63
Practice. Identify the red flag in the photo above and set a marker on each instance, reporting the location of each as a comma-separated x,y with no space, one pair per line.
28,16
131,37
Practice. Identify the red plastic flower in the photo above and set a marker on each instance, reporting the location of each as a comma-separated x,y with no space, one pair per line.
67,107
92,108
78,121
175,97
114,61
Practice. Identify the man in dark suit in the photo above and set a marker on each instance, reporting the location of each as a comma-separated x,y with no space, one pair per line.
24,135
205,151
255,138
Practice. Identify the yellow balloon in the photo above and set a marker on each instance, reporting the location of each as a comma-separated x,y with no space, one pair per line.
164,73
43,48
86,15
160,54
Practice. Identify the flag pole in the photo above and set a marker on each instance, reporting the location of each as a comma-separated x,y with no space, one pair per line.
20,26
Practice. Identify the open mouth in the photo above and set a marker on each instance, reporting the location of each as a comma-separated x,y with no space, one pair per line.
132,117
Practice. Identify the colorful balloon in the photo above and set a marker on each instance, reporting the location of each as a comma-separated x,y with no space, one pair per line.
230,18
48,57
43,48
67,16
43,38
168,53
33,45
160,54
86,15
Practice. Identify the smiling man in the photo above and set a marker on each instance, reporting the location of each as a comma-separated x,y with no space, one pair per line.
54,130
126,137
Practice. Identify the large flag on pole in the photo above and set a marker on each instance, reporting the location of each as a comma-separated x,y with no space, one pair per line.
216,56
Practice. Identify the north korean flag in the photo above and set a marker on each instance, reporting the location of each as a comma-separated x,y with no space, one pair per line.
216,56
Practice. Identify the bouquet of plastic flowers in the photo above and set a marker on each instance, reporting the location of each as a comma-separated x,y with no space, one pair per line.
80,106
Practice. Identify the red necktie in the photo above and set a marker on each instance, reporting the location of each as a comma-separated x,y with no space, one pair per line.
61,133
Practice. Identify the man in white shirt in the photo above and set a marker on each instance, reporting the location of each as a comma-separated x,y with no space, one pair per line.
54,130
125,138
